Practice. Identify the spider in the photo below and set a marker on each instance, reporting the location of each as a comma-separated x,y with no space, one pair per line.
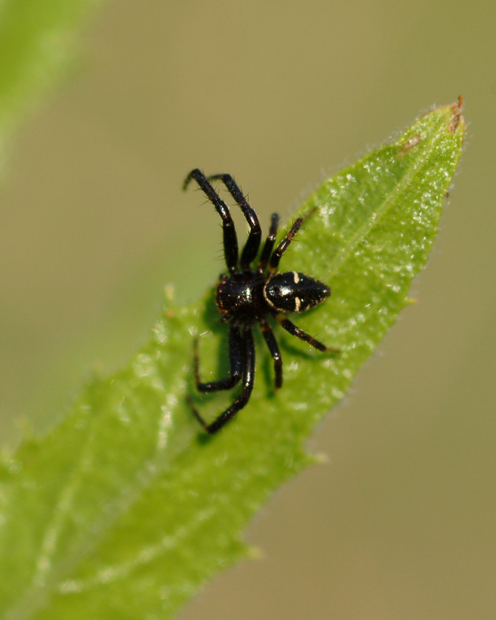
247,295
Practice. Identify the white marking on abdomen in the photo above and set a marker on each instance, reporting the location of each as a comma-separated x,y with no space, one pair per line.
297,303
296,277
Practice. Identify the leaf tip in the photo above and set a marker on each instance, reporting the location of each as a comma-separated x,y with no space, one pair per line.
457,120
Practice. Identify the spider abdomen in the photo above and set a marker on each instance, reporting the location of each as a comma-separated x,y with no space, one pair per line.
294,292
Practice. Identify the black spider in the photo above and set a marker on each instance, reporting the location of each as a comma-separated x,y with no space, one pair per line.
246,296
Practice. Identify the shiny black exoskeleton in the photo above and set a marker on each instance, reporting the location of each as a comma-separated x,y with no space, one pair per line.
248,295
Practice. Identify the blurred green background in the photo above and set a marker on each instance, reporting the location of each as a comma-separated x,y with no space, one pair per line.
401,521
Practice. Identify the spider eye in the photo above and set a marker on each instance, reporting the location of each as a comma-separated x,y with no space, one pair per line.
295,292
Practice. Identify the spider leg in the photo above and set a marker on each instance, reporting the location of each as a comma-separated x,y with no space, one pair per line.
269,243
236,361
283,246
252,244
248,379
268,334
230,238
299,333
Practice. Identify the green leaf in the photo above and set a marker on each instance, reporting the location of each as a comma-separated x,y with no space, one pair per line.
38,42
127,508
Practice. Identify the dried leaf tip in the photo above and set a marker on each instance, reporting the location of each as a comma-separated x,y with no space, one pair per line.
457,109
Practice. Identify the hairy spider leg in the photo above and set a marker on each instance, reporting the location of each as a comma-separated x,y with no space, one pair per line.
268,334
248,380
299,333
252,244
283,246
235,360
269,243
230,238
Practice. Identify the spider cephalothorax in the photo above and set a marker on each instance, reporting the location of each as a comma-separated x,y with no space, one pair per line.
248,295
